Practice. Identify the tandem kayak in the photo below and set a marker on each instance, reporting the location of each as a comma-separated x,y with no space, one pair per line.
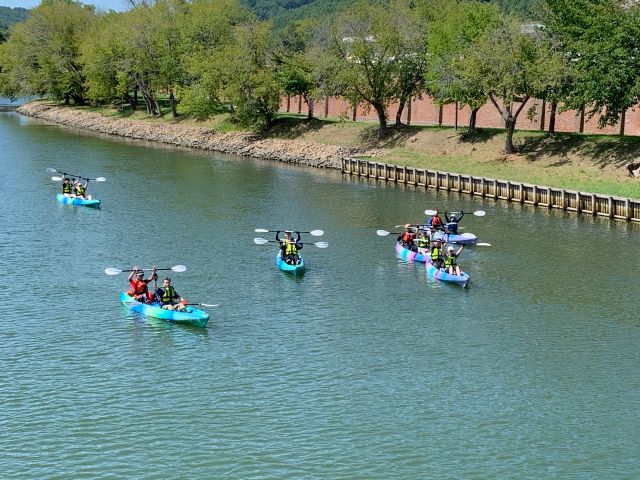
442,275
285,267
77,201
461,238
406,254
193,316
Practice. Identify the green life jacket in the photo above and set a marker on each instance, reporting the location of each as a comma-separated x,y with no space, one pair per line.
67,188
423,242
435,253
168,294
80,190
450,261
290,247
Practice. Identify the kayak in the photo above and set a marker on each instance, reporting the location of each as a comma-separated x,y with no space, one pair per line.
77,201
461,238
195,317
285,267
406,254
442,275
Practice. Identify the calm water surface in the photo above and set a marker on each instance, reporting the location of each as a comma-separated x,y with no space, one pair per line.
361,369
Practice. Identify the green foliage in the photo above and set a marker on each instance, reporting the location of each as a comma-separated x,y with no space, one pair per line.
9,16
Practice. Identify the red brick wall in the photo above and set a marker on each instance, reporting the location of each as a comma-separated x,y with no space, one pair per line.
425,112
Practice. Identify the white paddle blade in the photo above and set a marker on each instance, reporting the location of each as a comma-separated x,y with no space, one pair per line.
112,271
100,179
317,233
483,244
209,305
52,170
260,241
321,244
479,213
56,179
179,268
430,212
261,230
382,233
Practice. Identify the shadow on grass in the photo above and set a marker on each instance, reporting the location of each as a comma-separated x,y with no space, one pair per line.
293,127
603,150
479,135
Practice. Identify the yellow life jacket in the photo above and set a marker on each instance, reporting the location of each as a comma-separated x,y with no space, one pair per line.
168,294
435,253
80,190
450,261
423,242
290,247
67,187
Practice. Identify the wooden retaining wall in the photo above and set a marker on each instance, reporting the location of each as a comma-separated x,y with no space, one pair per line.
548,197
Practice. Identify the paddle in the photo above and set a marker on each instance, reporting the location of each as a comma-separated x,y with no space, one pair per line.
384,233
483,244
57,179
116,271
477,213
264,241
203,304
315,233
98,179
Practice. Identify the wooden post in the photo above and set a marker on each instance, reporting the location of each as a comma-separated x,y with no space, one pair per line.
578,206
288,103
622,121
563,199
355,111
610,207
482,186
456,126
594,211
440,115
326,107
299,104
542,115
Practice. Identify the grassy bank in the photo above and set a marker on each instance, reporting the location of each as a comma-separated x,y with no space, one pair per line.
588,163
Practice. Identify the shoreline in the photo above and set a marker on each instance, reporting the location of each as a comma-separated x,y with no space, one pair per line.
235,143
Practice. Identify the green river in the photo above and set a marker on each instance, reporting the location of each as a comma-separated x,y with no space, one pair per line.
361,369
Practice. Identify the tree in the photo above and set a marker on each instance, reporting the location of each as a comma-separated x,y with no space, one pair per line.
454,27
502,62
41,56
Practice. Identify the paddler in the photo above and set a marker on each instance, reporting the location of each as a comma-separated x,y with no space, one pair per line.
452,222
140,286
289,247
407,237
436,254
67,186
423,242
451,263
168,298
79,189
435,221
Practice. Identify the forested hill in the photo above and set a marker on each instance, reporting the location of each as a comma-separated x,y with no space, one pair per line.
9,16
285,11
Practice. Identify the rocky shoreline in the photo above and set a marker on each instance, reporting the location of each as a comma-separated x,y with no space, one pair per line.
235,143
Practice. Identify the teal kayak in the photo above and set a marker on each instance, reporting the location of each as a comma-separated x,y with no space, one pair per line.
442,275
286,267
77,201
192,316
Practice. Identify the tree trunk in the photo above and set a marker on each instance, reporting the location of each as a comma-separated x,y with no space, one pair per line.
472,119
382,120
157,109
172,104
66,99
134,101
552,117
403,101
509,126
310,104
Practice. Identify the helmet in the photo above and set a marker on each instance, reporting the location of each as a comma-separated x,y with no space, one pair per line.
449,248
139,272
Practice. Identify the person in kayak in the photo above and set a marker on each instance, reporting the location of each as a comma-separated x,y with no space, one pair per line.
435,221
140,286
81,190
452,222
168,298
407,237
451,263
436,254
423,242
67,186
289,247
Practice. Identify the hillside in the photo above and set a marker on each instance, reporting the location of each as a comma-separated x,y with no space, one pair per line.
9,16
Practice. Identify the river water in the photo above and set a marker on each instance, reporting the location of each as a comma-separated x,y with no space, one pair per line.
360,369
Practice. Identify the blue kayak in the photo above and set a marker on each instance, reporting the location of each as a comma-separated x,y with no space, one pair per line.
191,316
461,238
285,267
442,275
406,254
77,201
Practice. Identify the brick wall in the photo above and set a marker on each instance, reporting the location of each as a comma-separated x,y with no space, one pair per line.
423,111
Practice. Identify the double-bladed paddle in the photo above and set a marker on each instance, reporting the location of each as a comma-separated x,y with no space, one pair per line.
57,179
264,241
477,213
315,233
116,271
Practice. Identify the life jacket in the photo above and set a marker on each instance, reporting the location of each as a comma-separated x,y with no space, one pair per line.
450,261
80,190
452,227
67,188
436,221
407,237
290,247
138,288
423,242
168,295
435,253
